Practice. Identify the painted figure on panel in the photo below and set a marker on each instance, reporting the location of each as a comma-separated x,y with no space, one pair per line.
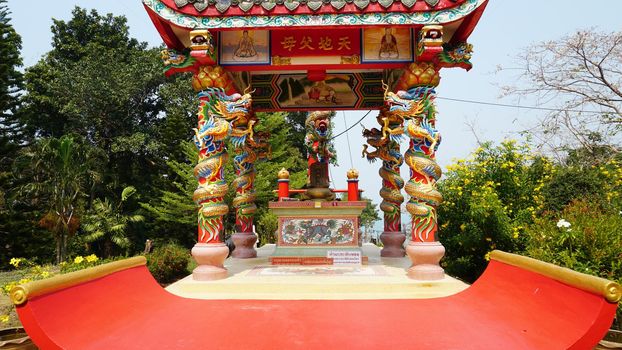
388,45
318,231
246,47
320,91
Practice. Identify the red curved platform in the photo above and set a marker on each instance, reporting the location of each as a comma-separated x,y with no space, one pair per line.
507,308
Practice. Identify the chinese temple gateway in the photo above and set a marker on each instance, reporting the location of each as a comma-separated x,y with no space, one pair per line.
318,56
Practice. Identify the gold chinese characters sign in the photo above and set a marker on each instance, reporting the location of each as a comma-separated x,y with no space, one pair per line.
331,42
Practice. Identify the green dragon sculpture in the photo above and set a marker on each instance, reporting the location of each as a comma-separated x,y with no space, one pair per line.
218,112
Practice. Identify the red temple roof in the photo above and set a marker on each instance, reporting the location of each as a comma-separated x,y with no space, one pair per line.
175,18
210,8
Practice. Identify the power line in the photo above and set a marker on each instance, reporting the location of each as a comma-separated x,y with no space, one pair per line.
348,138
350,128
517,106
487,104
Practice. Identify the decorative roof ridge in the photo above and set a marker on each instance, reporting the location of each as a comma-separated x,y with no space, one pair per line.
293,5
192,20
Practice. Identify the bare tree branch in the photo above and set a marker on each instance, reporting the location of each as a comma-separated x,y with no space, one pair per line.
580,75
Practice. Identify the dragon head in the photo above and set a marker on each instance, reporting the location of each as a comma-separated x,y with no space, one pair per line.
461,52
234,107
456,55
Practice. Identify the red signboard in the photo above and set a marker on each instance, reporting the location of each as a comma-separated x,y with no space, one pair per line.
326,42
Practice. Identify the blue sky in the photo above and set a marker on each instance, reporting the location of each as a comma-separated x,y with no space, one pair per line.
504,30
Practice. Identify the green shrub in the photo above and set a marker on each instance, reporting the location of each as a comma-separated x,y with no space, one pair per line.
267,224
168,263
584,237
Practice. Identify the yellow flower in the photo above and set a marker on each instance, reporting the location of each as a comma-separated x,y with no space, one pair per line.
45,274
92,258
15,261
78,260
4,318
462,227
487,256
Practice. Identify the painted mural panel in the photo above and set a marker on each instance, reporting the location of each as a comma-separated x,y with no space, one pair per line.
318,231
336,91
244,47
388,44
272,92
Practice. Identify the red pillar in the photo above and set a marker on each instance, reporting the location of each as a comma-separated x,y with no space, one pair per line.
283,184
353,185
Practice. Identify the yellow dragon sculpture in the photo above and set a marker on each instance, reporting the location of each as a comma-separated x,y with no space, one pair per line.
416,106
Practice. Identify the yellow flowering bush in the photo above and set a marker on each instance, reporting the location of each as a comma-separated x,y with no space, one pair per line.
28,271
25,271
489,199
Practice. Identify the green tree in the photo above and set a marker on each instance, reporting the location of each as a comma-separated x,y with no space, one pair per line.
84,78
173,210
99,83
12,229
369,216
10,80
108,225
57,174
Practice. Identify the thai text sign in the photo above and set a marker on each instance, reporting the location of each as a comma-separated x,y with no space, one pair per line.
331,42
342,257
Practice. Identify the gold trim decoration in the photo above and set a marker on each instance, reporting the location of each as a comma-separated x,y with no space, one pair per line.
281,61
22,293
610,290
354,59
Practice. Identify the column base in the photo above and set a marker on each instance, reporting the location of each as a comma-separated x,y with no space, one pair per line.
210,257
425,257
244,245
393,244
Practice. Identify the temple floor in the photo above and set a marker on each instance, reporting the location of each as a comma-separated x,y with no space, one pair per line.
382,278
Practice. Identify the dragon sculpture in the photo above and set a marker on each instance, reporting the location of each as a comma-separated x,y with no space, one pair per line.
218,113
249,146
387,149
417,107
456,55
176,61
